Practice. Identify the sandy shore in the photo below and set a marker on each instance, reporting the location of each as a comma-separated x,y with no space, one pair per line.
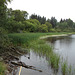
43,37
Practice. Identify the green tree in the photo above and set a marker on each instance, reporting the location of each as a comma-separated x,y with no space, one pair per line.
63,26
53,22
43,28
70,23
42,20
31,25
14,26
3,9
19,15
49,26
4,40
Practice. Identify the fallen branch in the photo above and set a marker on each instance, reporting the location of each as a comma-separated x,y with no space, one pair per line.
26,66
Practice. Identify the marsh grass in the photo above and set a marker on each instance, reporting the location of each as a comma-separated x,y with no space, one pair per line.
70,70
64,68
41,47
26,38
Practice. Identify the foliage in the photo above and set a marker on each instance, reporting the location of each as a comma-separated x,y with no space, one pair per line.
17,14
42,20
69,22
53,22
3,9
36,23
43,28
4,40
52,30
62,25
49,25
2,68
14,26
29,27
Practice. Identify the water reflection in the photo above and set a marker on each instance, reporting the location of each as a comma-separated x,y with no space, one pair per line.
65,46
40,62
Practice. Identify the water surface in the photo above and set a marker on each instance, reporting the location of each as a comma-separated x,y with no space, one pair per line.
37,61
65,47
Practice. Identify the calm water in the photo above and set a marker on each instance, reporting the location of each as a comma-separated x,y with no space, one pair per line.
37,61
64,46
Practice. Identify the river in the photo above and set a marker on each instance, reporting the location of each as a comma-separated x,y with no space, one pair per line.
63,45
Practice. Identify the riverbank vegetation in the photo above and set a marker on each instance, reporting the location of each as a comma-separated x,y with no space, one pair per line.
33,41
27,32
26,38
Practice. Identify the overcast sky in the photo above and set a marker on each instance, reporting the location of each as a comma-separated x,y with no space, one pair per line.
57,8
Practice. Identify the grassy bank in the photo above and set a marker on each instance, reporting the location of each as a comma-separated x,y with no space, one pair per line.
26,38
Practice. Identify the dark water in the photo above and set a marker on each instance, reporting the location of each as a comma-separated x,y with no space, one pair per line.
64,46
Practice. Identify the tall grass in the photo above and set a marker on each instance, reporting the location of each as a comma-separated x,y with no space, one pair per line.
64,68
26,38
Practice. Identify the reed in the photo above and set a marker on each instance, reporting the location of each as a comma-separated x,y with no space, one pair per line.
26,38
44,49
64,68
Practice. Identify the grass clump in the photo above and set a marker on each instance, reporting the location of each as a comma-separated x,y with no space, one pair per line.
64,68
55,60
42,48
2,68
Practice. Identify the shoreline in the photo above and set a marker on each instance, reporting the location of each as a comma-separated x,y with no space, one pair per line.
44,37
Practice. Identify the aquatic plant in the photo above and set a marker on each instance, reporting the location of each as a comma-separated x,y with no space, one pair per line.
70,70
41,47
64,68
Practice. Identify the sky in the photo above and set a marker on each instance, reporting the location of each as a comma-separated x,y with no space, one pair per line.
57,8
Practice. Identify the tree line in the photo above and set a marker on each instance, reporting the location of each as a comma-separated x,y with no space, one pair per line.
17,21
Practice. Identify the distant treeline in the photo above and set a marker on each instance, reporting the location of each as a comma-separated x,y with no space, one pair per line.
17,21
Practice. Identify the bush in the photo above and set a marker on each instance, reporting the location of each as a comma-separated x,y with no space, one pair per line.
4,40
52,30
2,68
43,28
